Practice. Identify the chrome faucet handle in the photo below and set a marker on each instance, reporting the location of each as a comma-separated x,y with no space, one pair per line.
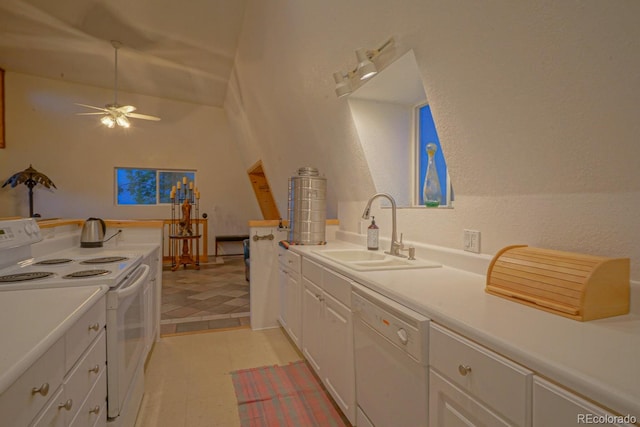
410,249
396,248
412,252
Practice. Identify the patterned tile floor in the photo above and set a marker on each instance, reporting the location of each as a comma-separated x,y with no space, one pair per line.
214,297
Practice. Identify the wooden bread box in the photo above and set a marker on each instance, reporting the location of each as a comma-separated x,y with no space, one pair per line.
577,286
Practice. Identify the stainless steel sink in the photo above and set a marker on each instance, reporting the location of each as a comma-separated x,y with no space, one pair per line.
365,260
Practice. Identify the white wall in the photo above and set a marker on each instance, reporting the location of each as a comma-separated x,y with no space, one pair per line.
385,132
535,104
79,154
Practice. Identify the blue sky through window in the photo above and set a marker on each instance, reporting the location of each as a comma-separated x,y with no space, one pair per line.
427,134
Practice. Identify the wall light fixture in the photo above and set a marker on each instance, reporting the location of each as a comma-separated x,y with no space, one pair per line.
343,85
364,70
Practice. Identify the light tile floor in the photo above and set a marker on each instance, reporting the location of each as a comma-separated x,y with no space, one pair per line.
216,296
188,381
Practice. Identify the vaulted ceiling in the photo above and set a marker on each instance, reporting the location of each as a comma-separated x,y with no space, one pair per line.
181,50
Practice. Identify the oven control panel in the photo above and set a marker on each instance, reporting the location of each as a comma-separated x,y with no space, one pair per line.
19,232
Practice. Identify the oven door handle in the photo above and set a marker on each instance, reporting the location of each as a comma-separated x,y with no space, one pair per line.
125,292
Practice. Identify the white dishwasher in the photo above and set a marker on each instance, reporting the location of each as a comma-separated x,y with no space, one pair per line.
391,359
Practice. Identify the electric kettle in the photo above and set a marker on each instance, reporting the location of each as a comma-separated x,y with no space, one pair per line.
93,233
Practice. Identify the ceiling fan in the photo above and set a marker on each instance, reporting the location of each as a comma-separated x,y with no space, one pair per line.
115,114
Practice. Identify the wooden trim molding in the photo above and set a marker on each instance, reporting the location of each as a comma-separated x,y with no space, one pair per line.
2,133
120,223
51,223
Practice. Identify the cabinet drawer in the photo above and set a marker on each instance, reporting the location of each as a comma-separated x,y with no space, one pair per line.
448,405
289,260
52,415
489,377
94,409
84,331
338,286
312,271
86,372
554,406
19,404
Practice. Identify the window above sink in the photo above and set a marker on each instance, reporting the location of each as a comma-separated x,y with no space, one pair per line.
394,122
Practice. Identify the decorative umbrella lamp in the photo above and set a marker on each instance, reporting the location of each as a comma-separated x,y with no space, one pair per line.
29,177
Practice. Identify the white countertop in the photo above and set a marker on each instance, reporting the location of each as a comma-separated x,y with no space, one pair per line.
599,359
33,320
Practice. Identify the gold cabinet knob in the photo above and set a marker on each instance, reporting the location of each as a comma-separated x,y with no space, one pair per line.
464,370
66,405
43,389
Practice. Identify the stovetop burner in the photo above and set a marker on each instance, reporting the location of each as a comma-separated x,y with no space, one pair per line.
20,277
86,273
104,260
54,261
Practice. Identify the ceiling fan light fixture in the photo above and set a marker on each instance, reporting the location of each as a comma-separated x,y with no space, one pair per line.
108,121
115,114
122,121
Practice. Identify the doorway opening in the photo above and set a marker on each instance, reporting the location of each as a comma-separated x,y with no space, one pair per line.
263,192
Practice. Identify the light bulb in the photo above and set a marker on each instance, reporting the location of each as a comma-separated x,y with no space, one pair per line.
366,68
108,121
123,121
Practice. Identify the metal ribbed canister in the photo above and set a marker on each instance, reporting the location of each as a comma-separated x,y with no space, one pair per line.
307,207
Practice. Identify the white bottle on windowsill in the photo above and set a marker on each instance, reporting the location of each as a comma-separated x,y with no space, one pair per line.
372,235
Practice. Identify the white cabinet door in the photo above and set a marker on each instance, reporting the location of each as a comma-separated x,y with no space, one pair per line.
282,288
327,332
502,385
312,324
294,309
451,407
338,339
556,407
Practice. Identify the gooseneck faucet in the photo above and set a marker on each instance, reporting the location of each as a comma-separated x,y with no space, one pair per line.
395,245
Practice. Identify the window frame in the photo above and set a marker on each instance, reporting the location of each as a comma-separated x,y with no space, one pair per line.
191,175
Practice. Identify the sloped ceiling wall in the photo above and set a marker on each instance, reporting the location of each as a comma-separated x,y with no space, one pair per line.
535,103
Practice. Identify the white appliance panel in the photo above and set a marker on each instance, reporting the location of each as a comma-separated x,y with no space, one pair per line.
390,344
125,338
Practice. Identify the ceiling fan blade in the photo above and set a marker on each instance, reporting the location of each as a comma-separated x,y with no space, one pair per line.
126,109
91,114
91,106
143,117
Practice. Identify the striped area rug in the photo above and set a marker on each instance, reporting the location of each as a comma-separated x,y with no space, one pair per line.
282,396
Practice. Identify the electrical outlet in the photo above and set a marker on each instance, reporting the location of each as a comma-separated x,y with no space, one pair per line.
472,241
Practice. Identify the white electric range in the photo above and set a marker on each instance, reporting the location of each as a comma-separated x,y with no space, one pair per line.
71,267
126,276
